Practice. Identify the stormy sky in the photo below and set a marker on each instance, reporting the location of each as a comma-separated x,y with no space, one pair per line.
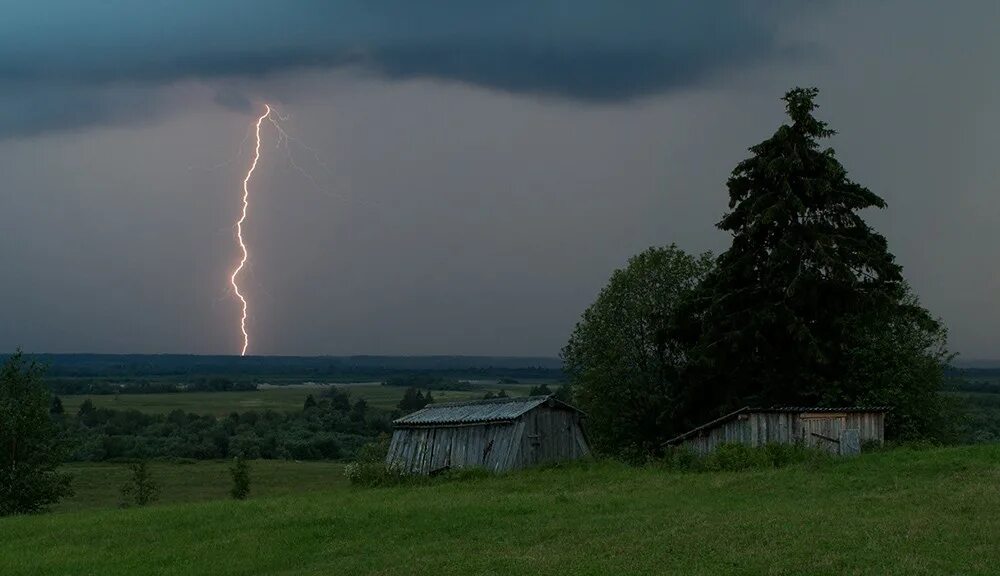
471,173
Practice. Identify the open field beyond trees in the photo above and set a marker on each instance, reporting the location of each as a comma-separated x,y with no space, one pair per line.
898,512
279,398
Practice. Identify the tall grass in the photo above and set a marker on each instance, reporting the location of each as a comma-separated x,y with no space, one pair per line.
735,457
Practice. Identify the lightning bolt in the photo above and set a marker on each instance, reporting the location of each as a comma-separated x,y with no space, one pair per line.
283,141
239,232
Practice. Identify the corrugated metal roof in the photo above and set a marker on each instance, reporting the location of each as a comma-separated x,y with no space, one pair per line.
823,409
493,410
788,409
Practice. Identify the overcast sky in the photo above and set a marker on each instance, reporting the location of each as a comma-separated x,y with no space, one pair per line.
476,171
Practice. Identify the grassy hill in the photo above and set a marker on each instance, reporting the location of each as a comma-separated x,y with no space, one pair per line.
899,512
98,485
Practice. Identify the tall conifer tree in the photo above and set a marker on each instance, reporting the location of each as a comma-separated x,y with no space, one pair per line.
771,321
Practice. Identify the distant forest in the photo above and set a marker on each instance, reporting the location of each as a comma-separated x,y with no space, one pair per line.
331,425
334,426
331,367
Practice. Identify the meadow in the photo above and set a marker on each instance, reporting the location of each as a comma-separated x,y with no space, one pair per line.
279,398
98,485
903,511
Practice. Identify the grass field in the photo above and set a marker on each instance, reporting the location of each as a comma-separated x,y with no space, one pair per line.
98,485
279,398
898,512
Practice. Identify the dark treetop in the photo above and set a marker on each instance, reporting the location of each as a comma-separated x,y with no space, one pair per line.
773,316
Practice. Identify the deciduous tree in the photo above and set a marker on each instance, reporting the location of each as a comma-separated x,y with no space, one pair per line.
621,361
140,489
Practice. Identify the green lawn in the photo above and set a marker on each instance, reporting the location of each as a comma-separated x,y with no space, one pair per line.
279,398
98,485
900,512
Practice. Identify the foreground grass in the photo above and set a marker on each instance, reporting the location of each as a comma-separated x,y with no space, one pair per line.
900,512
278,398
99,485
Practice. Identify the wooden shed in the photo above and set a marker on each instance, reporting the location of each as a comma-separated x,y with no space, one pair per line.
838,430
498,434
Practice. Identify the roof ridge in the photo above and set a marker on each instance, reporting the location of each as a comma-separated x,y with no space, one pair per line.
487,401
799,408
485,410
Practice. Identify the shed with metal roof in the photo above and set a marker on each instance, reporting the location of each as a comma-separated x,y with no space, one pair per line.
498,434
839,430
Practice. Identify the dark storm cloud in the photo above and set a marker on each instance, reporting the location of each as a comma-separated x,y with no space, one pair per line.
446,218
61,54
233,99
41,109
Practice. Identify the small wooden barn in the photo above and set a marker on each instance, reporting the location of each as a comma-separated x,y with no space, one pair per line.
837,430
498,434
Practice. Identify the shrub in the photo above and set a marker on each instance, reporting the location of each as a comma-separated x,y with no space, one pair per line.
369,469
375,474
139,489
680,459
374,451
240,471
736,457
463,474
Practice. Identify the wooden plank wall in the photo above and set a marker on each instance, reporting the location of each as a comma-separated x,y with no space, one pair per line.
542,435
551,435
871,425
423,450
760,428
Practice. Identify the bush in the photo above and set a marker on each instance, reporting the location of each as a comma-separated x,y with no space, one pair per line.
680,459
463,474
374,451
369,469
376,474
737,457
139,489
240,471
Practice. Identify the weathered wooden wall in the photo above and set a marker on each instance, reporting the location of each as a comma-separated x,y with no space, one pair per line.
870,425
816,429
541,435
426,449
551,435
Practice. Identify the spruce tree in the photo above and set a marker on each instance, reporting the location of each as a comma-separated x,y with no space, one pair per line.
29,450
770,323
411,401
309,403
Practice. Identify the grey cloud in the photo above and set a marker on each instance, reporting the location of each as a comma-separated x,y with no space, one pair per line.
233,99
449,220
40,110
587,50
